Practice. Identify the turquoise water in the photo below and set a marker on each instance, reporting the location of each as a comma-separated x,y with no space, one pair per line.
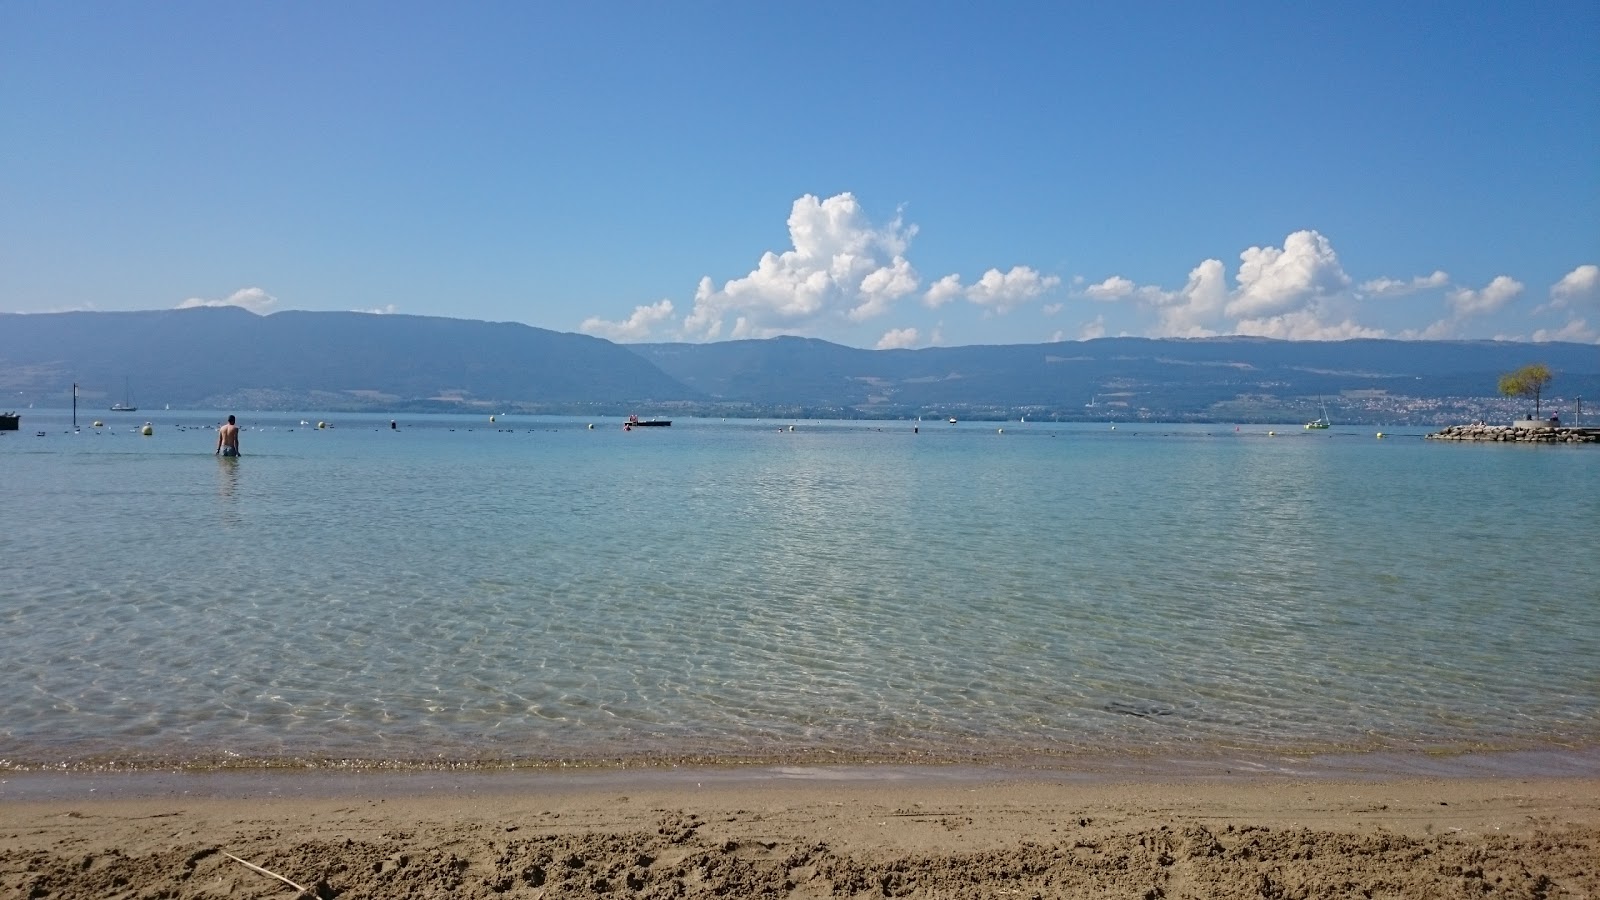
535,590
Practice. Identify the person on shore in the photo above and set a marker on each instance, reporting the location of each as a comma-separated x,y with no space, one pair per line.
228,439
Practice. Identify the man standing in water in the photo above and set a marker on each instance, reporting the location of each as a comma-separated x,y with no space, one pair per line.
228,439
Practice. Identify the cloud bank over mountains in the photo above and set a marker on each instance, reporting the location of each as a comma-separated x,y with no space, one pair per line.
842,269
839,265
252,298
261,303
839,268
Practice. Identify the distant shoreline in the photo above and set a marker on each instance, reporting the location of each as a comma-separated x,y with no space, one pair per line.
151,776
508,417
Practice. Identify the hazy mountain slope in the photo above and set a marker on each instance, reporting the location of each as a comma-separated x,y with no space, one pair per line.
1174,374
200,357
229,357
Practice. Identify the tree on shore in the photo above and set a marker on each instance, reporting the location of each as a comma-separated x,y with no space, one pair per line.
1528,381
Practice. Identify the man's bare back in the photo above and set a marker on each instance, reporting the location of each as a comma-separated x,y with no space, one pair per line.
228,439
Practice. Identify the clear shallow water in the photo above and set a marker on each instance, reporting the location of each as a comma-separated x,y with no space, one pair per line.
534,590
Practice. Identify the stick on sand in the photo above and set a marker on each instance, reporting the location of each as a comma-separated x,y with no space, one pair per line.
251,865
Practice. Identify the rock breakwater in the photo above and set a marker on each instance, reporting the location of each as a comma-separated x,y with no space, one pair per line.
1514,433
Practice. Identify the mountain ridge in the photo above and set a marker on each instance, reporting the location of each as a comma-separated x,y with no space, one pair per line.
228,357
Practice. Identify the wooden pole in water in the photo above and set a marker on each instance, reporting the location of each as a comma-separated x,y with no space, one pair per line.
74,404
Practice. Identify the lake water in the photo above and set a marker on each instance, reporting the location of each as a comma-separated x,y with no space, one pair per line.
535,590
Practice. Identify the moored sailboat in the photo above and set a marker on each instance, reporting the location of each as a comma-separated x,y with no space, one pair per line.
127,400
1322,422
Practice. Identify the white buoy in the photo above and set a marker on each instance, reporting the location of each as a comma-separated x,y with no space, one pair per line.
999,431
591,426
147,430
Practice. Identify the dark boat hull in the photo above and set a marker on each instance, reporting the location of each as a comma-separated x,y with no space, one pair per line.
10,422
652,424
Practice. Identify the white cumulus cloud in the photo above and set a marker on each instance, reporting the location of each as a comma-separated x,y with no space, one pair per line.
254,299
898,339
1114,288
1005,291
841,270
1305,325
1392,287
881,288
1442,330
636,327
840,264
1576,330
1298,291
1465,302
1579,287
997,291
943,291
1197,310
1273,281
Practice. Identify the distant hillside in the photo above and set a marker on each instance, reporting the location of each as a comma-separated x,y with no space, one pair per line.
1224,378
231,358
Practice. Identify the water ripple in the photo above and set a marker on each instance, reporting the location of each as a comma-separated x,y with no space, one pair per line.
726,588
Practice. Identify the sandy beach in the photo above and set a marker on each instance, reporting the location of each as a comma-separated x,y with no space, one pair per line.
801,833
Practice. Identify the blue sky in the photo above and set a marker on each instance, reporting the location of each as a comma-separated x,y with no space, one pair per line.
877,174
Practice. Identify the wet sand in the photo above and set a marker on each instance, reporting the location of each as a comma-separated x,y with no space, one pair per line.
799,833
